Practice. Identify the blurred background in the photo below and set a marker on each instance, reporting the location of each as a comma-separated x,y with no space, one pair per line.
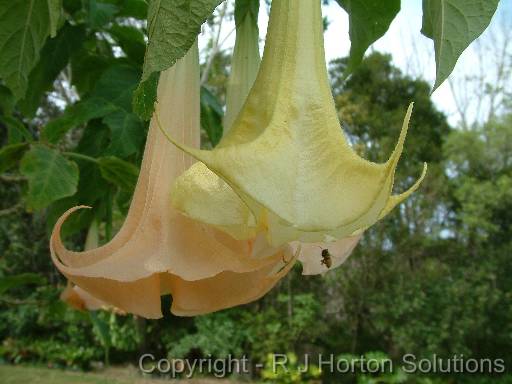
432,279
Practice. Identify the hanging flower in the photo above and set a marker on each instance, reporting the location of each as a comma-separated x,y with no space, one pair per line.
285,168
158,250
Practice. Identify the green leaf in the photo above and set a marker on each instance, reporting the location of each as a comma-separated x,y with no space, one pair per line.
173,26
55,12
208,99
95,139
101,329
24,26
144,97
10,155
6,100
74,116
100,13
368,21
127,133
131,41
50,176
87,68
137,9
113,90
9,282
244,8
119,172
16,130
453,25
116,85
54,58
211,116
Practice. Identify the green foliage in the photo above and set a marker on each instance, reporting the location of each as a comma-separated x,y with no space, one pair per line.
75,115
55,55
288,321
144,97
119,172
137,9
50,176
64,336
293,372
9,282
55,13
126,132
100,13
131,41
218,334
24,26
375,361
10,155
211,116
173,26
16,130
453,25
369,20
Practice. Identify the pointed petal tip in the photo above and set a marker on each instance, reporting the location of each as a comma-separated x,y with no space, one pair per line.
394,200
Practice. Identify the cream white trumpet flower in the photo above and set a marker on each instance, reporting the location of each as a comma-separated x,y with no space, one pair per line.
218,199
285,166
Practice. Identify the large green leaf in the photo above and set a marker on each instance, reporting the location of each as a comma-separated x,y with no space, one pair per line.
24,26
16,130
55,12
127,133
119,172
453,25
50,176
173,26
9,282
116,85
368,21
6,100
131,41
87,67
113,91
137,9
54,57
95,139
100,13
10,155
74,116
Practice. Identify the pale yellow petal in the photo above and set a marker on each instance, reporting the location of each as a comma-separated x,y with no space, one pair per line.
244,68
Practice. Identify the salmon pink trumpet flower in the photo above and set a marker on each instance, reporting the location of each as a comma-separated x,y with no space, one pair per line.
160,251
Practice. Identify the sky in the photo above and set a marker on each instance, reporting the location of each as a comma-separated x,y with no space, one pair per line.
412,52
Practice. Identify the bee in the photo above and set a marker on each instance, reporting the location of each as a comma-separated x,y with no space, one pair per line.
326,258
